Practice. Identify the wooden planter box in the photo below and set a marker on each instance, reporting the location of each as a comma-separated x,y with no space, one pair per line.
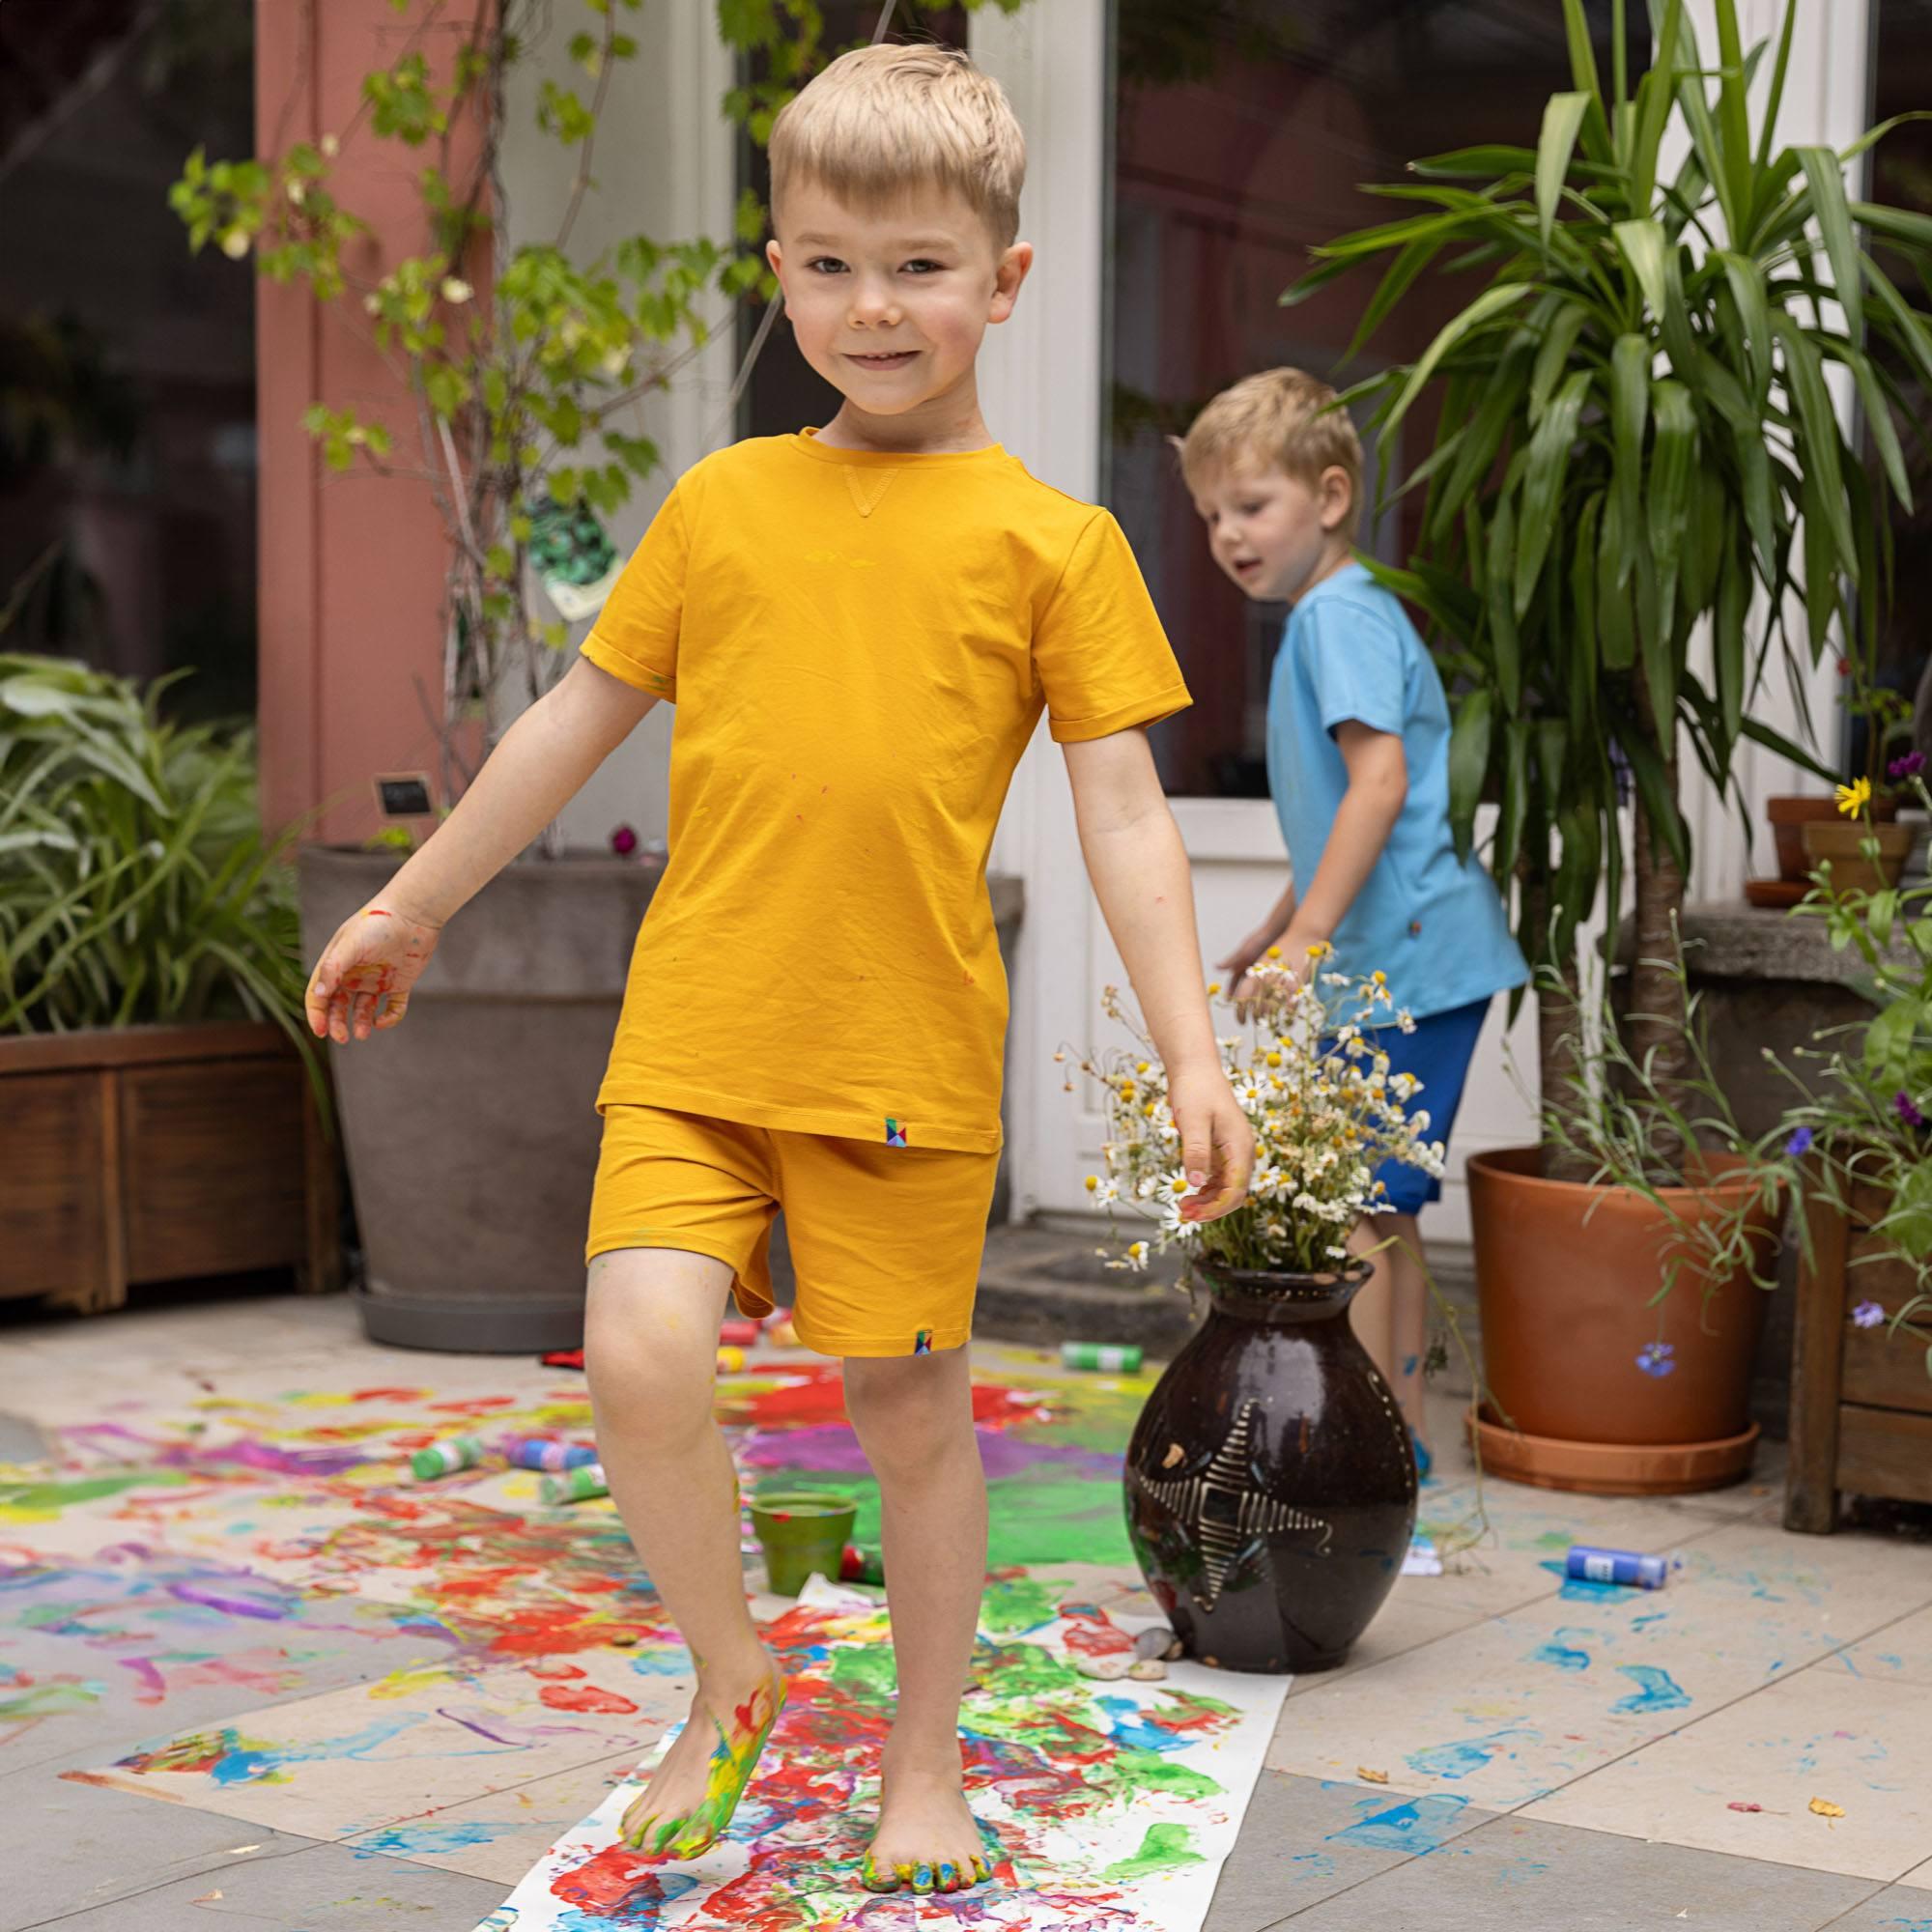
1861,1401
153,1154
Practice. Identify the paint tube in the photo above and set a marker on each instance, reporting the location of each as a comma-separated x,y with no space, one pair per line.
1115,1359
541,1452
1627,1567
739,1334
862,1566
446,1458
730,1361
575,1486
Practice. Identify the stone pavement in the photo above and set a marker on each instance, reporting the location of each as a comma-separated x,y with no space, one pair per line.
1570,1756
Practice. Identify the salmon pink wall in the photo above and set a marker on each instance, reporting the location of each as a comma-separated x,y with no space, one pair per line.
351,562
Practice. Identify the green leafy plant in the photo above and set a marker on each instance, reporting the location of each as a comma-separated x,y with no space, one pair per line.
523,363
1636,441
137,886
1866,1122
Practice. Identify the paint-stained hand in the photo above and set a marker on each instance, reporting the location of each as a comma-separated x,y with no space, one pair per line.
361,983
1217,1145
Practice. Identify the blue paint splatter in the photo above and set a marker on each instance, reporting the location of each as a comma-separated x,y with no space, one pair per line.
1644,1623
1132,1735
1563,1656
1656,1691
1419,1825
1319,1865
640,1909
1462,1758
410,1842
1579,1590
674,1662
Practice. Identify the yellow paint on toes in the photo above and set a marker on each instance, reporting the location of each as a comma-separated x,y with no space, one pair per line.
729,1771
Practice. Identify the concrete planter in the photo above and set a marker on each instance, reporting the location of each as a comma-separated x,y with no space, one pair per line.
472,1130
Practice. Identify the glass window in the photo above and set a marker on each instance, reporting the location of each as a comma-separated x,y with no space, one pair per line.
1901,174
1242,129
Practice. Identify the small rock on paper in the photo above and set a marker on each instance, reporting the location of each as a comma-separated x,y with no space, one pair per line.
1369,1777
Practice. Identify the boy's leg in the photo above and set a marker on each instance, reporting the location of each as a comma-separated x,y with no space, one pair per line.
650,1353
1390,1312
914,1418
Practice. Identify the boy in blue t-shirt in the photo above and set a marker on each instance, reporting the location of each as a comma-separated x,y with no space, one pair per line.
1358,767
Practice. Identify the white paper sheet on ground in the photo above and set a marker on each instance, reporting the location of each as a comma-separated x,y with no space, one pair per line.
1107,1806
1422,1559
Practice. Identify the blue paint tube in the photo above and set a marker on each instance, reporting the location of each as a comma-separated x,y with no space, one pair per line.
1627,1566
542,1452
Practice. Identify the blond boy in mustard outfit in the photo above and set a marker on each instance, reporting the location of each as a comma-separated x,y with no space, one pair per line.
860,626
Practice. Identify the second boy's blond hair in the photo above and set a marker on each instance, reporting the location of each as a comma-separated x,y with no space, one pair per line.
1280,420
881,120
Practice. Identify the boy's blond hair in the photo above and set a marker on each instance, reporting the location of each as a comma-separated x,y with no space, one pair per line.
1280,419
882,120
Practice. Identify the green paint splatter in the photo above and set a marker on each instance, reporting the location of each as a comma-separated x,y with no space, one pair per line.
46,1701
1018,1603
35,1499
1043,1518
1137,1771
865,1671
1022,1673
1166,1848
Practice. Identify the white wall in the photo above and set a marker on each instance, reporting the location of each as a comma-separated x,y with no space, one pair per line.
662,167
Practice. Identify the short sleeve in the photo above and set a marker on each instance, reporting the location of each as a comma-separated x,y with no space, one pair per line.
1352,658
635,636
1098,649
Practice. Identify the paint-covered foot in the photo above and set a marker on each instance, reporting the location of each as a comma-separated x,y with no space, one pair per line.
688,1805
928,1840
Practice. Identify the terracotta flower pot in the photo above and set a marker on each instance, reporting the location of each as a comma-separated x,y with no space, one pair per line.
1574,1352
1842,845
1270,1482
1791,813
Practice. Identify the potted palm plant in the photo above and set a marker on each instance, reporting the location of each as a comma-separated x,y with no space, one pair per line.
521,366
157,1118
1637,447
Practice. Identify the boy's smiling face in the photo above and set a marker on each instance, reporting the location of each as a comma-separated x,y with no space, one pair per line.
889,305
1272,534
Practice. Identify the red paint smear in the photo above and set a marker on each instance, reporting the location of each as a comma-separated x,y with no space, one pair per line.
1094,1634
559,1670
586,1697
815,1395
484,1582
470,1405
389,1395
615,1878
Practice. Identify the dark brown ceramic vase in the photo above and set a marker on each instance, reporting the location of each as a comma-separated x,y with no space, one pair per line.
1270,1482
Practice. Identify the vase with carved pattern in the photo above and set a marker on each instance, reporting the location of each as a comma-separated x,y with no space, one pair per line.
1270,1483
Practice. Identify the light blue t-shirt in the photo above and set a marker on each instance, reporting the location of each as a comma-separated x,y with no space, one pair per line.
1433,922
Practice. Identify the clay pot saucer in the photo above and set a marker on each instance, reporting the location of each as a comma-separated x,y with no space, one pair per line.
1610,1469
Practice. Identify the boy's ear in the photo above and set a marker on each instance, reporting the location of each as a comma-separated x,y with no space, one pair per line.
1338,498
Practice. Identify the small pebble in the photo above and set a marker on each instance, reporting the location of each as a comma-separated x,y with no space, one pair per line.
1146,1671
625,1637
1157,1641
1108,1669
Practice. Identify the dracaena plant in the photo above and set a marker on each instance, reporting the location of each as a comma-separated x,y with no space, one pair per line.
520,366
1636,441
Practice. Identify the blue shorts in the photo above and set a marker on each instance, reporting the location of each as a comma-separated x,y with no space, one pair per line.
1437,1053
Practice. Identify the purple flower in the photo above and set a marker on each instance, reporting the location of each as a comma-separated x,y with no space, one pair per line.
1800,1142
1907,767
1901,1105
623,841
1868,1315
1657,1358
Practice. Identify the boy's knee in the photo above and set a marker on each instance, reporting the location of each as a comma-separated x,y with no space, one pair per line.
905,1408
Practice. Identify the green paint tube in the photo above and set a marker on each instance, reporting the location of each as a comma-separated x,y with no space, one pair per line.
575,1486
1113,1358
446,1458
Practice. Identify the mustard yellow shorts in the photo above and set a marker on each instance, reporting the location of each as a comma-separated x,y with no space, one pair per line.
886,1241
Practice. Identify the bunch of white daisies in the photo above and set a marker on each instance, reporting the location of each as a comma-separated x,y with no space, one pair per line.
1314,1084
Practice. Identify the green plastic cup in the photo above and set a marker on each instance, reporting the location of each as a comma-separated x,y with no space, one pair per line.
802,1531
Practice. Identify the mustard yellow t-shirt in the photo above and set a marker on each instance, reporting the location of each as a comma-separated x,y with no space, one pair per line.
859,645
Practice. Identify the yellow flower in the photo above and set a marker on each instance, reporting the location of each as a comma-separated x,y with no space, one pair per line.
1855,797
1321,949
1093,1183
1380,978
1143,1067
1274,1059
1274,953
1214,988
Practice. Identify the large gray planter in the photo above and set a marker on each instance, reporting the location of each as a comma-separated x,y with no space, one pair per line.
472,1130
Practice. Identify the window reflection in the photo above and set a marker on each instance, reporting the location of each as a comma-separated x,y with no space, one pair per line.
1242,129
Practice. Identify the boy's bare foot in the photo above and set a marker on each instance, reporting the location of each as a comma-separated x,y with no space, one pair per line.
927,1841
687,1805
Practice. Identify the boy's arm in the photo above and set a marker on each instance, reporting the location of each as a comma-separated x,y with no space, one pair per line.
1377,789
1138,864
361,983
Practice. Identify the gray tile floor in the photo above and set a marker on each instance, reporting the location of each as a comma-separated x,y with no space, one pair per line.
1315,1852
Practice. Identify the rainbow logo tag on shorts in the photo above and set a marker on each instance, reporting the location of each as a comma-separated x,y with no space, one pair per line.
922,1342
895,1135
